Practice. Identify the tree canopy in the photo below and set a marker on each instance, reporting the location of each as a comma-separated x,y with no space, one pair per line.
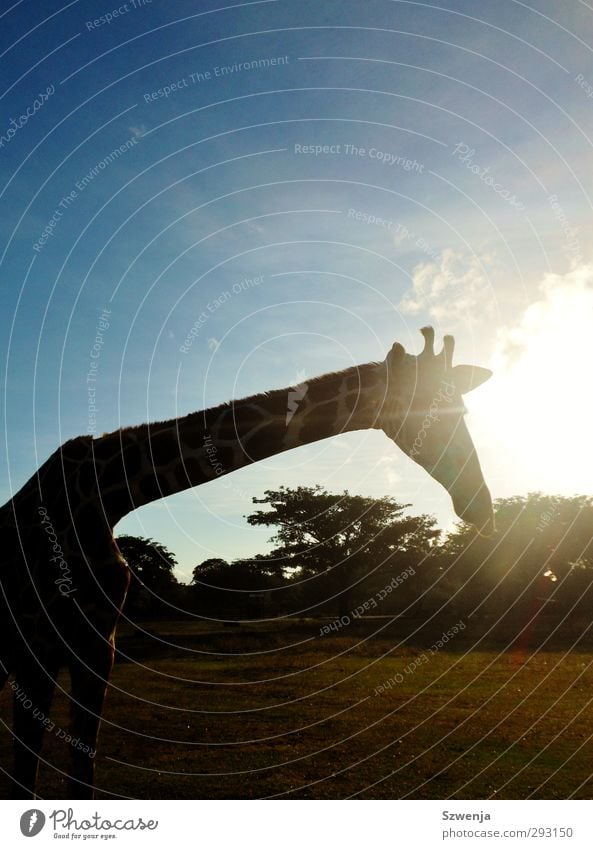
343,539
542,552
332,552
151,565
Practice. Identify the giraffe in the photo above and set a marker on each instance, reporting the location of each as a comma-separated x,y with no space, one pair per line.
63,579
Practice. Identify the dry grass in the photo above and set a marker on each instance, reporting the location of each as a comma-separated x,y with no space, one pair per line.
279,711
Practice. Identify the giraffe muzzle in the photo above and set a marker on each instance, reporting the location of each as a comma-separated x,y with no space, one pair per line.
477,511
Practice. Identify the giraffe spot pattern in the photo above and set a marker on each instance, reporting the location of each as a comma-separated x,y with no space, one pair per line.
264,442
319,423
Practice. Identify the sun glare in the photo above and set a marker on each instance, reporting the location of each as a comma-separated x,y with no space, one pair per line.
537,411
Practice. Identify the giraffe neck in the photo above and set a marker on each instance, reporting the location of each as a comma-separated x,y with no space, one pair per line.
143,464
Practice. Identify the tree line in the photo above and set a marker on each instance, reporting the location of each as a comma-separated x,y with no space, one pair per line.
352,556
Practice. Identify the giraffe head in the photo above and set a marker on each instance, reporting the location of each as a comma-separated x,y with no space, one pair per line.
423,413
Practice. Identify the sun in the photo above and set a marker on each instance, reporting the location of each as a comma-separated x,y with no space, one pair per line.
535,416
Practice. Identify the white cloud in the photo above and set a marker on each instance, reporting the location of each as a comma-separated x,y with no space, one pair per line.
389,465
138,131
451,287
567,300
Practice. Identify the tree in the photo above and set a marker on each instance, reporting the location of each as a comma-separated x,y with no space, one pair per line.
540,558
233,590
151,565
209,570
343,541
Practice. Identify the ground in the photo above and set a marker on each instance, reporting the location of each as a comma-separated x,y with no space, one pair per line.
278,710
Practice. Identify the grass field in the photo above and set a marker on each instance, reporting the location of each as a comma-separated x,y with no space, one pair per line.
280,711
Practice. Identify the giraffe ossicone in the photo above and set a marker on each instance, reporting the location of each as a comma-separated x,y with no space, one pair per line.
57,531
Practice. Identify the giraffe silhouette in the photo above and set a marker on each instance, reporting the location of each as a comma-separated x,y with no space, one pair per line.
63,580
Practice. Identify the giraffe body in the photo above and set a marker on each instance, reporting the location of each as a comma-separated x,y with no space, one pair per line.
63,581
63,585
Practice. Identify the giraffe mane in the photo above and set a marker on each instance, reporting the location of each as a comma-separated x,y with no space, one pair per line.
327,380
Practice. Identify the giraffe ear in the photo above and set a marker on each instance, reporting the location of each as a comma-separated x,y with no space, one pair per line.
466,378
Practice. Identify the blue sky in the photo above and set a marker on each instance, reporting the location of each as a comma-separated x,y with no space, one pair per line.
156,202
